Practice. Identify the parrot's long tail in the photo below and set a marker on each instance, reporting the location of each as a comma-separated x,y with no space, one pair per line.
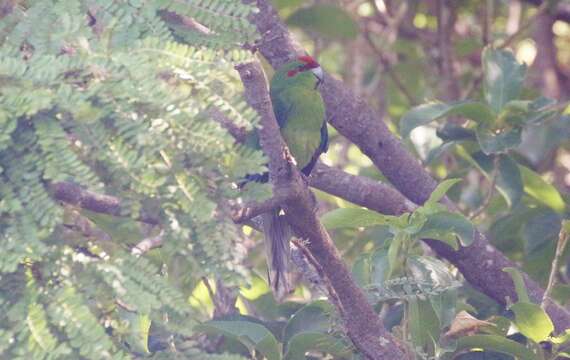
277,233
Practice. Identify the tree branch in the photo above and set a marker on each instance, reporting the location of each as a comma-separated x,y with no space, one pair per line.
362,324
74,194
481,264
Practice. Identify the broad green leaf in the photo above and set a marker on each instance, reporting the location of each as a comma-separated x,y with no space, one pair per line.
329,21
354,218
440,225
380,265
426,113
434,271
313,317
493,143
423,322
532,321
441,189
540,230
508,183
139,326
306,341
503,77
361,270
252,335
393,251
536,187
495,343
520,286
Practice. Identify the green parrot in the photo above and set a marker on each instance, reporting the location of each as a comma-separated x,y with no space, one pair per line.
300,113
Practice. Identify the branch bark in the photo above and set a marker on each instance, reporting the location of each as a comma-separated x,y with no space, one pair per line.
74,194
363,325
481,264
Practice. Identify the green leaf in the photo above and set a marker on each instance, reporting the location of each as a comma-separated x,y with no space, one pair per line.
379,266
540,190
361,270
520,286
313,317
393,251
493,143
503,77
354,218
442,224
540,230
139,325
423,322
252,335
329,21
495,343
433,271
532,321
426,113
508,183
306,341
440,191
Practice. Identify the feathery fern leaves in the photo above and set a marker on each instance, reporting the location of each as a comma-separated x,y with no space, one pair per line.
114,96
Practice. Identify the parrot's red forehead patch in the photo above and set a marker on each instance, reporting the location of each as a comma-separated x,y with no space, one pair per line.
308,64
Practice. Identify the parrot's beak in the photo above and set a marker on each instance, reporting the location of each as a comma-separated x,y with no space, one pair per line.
318,72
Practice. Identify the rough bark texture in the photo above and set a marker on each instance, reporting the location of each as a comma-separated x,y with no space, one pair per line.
362,324
481,264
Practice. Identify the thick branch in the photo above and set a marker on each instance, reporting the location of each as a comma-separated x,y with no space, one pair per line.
363,326
481,264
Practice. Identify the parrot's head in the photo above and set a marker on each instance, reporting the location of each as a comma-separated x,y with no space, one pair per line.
303,71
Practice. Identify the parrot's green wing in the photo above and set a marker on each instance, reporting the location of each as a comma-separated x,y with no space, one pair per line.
300,112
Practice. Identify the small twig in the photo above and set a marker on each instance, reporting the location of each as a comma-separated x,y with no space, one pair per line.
562,240
247,212
487,201
147,244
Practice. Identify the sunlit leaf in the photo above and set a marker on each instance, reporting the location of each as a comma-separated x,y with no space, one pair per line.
532,321
543,192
